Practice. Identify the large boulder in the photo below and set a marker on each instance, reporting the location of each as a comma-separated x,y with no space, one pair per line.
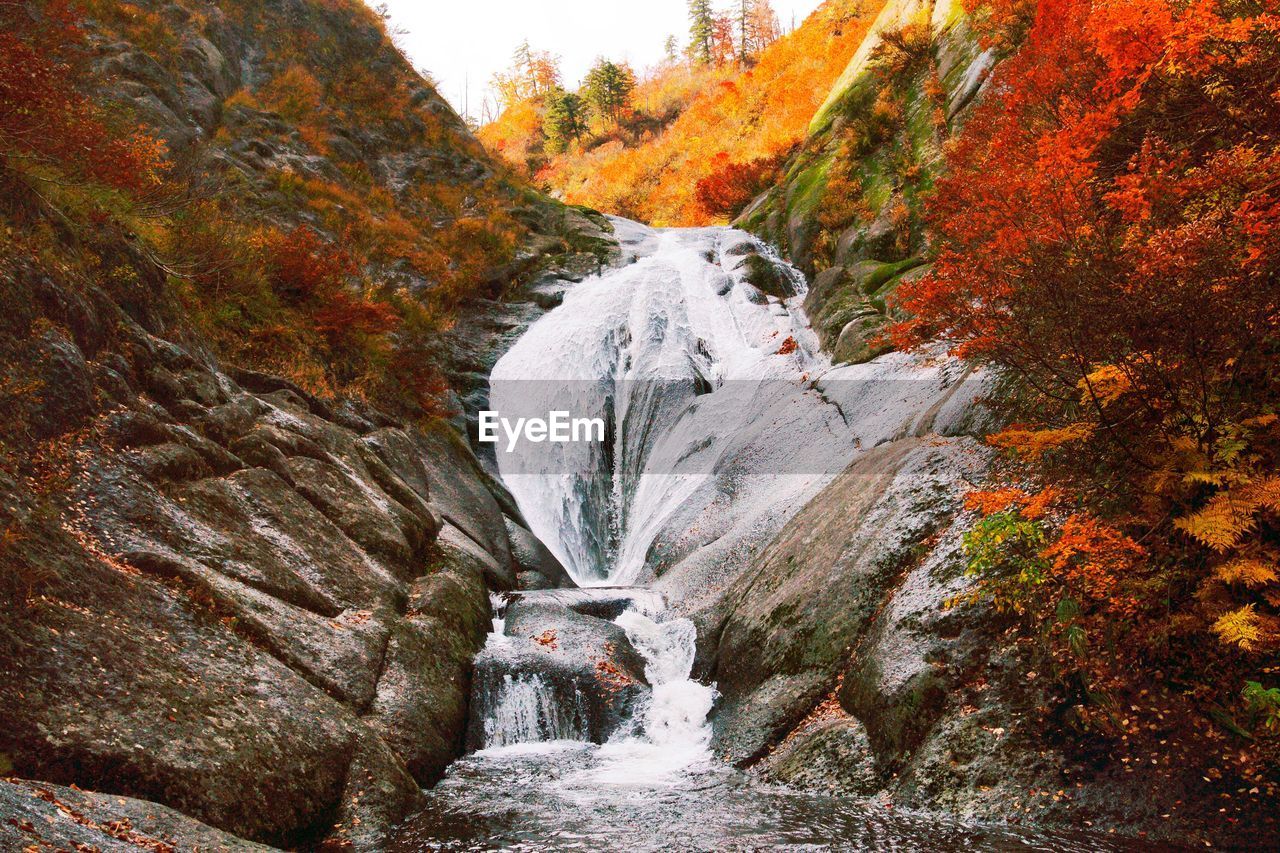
535,565
794,619
253,599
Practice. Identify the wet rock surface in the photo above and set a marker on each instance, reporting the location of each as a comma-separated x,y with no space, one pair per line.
43,816
238,601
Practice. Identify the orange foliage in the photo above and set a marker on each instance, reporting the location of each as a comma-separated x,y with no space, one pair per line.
1108,235
1091,559
1034,507
748,115
732,186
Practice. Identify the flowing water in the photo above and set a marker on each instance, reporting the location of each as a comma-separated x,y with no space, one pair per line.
722,419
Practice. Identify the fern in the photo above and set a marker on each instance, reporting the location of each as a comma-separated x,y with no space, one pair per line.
1239,628
1223,522
1263,704
1250,571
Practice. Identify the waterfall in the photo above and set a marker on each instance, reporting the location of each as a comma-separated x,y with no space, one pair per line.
516,702
642,348
524,709
722,419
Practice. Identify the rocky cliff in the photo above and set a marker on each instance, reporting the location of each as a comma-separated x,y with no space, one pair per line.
848,210
238,605
848,654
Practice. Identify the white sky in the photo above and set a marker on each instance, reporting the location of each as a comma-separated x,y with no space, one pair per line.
464,42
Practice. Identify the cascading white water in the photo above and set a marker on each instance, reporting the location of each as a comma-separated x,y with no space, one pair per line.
723,419
516,704
724,416
639,347
755,428
673,733
527,711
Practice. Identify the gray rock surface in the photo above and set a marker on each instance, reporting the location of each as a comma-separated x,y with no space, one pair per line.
41,816
243,611
793,621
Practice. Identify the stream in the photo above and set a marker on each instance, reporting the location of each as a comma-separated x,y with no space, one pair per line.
722,418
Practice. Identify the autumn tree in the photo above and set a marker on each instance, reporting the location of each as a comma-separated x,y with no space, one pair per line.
757,26
731,186
1109,238
608,87
760,27
724,48
532,74
671,50
51,128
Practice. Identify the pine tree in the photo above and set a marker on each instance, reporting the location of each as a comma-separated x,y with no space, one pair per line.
672,49
565,120
608,88
701,31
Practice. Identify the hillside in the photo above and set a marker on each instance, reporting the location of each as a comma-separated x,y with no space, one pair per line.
850,208
1018,181
245,564
691,123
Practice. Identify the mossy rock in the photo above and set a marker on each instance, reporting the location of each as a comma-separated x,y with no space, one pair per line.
859,340
768,277
879,279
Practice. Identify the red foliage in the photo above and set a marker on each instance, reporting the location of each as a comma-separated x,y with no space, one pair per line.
1108,235
308,272
46,118
732,186
1084,223
302,265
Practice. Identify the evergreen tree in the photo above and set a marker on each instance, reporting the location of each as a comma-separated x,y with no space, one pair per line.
608,88
672,49
565,120
701,31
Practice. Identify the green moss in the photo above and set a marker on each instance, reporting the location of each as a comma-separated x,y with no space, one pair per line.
887,273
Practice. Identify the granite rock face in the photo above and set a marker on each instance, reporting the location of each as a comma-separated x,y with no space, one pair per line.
226,596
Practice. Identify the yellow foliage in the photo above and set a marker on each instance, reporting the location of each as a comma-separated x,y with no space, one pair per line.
1106,384
1231,513
295,93
1032,444
1240,627
1253,572
746,114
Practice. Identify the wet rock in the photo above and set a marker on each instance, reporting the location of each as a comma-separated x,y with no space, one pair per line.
421,704
458,491
455,546
136,692
44,816
257,452
831,754
360,509
379,792
796,616
586,667
61,386
536,566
